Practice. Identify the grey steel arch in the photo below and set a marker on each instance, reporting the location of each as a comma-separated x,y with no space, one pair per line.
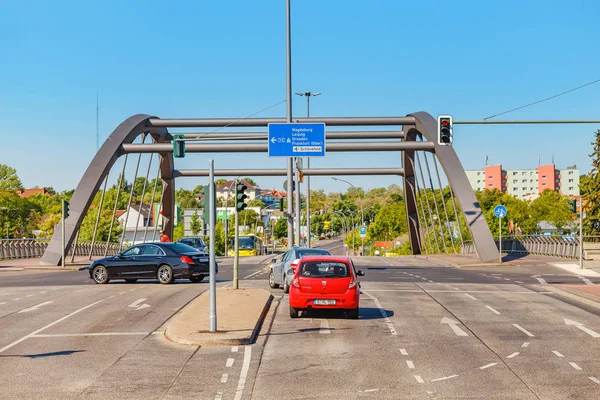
426,126
101,164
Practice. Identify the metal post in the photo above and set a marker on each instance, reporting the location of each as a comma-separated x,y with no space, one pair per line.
62,259
308,184
290,166
212,265
500,237
298,203
580,233
236,248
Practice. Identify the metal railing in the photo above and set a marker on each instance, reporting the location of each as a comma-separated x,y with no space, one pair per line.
30,248
555,246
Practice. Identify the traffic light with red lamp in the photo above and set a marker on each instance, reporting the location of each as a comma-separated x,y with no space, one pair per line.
444,130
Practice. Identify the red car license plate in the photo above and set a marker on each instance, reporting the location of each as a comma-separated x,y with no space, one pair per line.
324,302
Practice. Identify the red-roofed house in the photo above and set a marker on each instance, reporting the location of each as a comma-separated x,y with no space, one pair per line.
30,192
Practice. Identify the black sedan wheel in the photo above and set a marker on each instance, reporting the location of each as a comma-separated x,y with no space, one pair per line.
197,279
100,274
165,274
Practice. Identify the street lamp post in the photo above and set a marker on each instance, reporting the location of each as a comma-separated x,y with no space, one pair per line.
308,96
362,248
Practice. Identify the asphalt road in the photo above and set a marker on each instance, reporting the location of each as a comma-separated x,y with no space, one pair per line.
426,331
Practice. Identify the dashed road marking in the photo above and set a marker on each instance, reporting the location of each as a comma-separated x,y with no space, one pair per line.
383,313
577,367
410,364
493,310
324,329
45,291
18,298
540,279
586,280
525,331
252,274
29,295
488,365
234,349
371,390
525,344
403,352
469,296
594,379
244,373
420,380
556,353
518,282
507,279
430,281
224,378
229,363
444,378
513,355
122,293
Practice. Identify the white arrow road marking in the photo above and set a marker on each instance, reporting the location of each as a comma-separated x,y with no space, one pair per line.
136,304
581,326
453,323
36,307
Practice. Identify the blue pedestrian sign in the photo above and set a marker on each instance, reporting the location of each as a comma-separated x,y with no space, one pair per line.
296,140
363,231
500,211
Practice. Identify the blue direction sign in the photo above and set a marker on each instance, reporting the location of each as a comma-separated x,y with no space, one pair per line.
363,231
296,140
500,211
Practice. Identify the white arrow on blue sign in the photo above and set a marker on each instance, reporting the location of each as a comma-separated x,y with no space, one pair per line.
363,231
500,211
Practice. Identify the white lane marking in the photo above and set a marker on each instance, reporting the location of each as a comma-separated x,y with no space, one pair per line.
444,378
18,298
492,310
53,335
469,296
383,313
136,303
516,353
453,325
424,279
488,365
112,296
525,331
507,279
518,282
455,288
525,344
410,364
496,274
556,353
122,293
594,379
48,326
419,379
324,329
234,349
496,277
371,390
29,295
456,279
229,363
586,280
245,366
579,325
143,306
224,378
430,281
403,352
577,367
3,303
45,291
36,307
219,396
540,279
252,274
131,290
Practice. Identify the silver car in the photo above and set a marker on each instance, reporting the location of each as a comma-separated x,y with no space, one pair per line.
278,275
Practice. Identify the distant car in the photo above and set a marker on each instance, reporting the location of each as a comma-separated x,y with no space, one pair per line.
164,261
325,282
196,242
289,260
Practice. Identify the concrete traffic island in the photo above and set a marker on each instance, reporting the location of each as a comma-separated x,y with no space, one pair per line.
240,314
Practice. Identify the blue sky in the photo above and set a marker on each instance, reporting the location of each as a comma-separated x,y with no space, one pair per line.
470,59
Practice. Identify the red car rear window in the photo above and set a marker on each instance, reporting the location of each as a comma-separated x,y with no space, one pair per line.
324,269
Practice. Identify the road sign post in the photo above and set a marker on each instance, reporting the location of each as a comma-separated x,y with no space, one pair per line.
363,234
500,212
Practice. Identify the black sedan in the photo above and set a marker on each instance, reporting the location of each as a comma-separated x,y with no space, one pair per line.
164,261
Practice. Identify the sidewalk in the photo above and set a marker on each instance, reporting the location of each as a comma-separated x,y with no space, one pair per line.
19,264
586,294
240,313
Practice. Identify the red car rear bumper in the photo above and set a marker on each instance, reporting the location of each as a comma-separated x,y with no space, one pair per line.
301,300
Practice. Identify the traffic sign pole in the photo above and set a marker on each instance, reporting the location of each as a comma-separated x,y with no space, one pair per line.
500,237
500,212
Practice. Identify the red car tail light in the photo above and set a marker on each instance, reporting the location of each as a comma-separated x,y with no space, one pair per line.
352,284
187,260
296,283
294,264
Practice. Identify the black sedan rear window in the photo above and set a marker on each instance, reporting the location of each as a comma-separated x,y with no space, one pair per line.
319,269
181,248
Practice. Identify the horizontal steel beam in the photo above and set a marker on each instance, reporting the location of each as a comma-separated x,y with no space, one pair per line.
329,121
190,136
283,172
264,148
527,122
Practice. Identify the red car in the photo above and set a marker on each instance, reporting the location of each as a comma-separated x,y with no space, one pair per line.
325,282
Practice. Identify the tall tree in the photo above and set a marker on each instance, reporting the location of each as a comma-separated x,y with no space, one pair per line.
9,180
589,187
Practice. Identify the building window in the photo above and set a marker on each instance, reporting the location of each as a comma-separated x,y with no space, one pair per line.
524,180
530,172
490,185
478,180
490,177
543,176
570,187
570,180
515,181
570,172
515,189
543,184
514,173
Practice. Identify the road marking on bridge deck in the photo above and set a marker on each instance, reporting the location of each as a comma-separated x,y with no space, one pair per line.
224,378
419,379
16,342
577,367
586,280
453,325
252,274
582,327
383,313
488,365
2,302
230,362
525,344
518,282
525,331
324,328
594,379
444,378
403,352
234,349
556,353
492,310
36,307
541,280
54,335
244,373
513,355
469,296
410,364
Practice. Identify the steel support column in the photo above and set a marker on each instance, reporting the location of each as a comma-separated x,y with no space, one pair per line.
410,191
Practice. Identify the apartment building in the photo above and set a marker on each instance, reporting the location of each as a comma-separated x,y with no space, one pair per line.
526,183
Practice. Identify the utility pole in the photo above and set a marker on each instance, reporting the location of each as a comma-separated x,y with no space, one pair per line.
580,233
212,268
290,163
298,201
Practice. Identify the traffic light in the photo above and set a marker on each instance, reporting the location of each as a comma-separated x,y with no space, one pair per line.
205,203
65,209
178,146
445,130
573,205
281,204
240,196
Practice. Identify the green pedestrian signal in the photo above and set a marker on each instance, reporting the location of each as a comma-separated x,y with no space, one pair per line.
178,146
240,196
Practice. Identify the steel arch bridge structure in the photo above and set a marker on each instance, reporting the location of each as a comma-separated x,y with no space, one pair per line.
416,133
